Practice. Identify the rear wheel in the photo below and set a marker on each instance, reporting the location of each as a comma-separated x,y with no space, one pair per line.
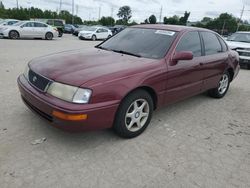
13,35
248,67
93,37
222,88
49,36
134,114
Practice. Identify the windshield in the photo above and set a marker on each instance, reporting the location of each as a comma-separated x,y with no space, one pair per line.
240,37
18,23
90,29
148,43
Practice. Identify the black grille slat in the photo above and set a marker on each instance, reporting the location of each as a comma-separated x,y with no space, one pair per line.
38,81
39,112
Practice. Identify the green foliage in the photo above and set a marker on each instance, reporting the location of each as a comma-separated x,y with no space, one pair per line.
132,23
125,14
176,20
121,22
31,13
107,21
225,23
152,19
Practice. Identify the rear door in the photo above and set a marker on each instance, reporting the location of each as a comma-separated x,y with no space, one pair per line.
185,78
215,59
40,29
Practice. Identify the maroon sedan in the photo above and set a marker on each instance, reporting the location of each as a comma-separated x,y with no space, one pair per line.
121,81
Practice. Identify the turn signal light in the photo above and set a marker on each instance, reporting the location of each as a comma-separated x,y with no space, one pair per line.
69,117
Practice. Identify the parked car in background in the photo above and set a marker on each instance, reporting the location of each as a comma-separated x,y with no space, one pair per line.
56,23
68,28
8,22
29,29
95,33
240,41
80,28
120,82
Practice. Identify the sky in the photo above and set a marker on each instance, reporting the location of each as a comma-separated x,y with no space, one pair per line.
142,9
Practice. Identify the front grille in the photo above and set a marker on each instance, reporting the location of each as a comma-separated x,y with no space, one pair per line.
38,81
39,112
243,52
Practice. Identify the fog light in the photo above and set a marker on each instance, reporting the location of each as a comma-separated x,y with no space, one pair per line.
69,117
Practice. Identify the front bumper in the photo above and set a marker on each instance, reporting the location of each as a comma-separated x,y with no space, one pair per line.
244,60
99,117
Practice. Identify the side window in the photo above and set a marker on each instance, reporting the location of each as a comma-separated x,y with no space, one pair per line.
99,31
190,42
223,45
211,43
104,30
40,24
29,24
58,23
50,22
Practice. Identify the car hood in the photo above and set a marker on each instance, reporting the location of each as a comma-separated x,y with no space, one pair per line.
234,44
77,67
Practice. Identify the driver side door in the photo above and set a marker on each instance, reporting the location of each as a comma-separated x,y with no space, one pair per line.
184,79
27,30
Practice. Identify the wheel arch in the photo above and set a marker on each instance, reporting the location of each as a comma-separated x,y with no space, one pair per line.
15,31
231,73
149,90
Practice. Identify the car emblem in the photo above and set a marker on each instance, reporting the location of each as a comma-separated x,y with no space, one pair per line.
34,79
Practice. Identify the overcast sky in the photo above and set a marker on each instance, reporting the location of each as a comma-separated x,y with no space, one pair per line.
141,9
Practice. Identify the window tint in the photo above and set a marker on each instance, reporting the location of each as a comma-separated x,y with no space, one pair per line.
58,23
37,24
223,44
211,42
50,22
190,42
149,43
29,24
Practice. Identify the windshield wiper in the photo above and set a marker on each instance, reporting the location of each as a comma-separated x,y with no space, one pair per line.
100,47
127,53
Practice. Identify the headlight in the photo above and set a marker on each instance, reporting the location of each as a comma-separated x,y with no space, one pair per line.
69,93
26,72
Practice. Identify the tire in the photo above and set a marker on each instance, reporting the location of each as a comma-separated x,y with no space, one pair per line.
14,35
248,67
222,88
130,122
93,38
109,36
49,36
60,33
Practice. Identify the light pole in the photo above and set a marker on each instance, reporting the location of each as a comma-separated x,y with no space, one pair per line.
73,5
17,6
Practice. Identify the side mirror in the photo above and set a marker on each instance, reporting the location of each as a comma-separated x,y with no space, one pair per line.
183,55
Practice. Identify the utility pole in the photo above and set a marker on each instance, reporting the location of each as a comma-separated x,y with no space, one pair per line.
73,6
241,15
60,6
77,8
223,28
17,6
160,15
112,11
99,17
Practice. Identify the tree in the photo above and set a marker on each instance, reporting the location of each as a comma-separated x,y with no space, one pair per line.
1,5
171,20
146,21
106,21
152,19
206,19
125,13
183,20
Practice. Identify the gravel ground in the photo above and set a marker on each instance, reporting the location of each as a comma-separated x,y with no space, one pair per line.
199,142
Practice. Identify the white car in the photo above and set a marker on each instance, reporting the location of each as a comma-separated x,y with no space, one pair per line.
95,33
8,22
29,29
240,42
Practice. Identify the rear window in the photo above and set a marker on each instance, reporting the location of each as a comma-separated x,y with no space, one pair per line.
148,43
211,42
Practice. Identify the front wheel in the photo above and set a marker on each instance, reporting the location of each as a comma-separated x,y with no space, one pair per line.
13,35
93,37
134,114
222,88
49,36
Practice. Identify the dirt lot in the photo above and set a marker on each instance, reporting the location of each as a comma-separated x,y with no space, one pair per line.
199,142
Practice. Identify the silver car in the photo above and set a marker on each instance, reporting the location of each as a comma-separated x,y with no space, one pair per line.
29,29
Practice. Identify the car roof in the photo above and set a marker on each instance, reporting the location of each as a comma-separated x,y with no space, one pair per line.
244,32
176,28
